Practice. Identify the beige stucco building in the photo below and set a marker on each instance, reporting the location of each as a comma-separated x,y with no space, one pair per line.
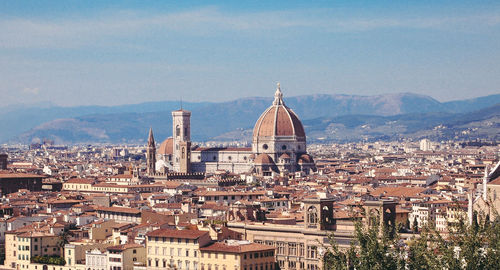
175,249
237,255
21,247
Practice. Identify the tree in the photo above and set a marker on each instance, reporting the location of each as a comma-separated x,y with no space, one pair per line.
466,246
372,248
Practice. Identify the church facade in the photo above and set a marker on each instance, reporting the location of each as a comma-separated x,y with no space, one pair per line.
278,146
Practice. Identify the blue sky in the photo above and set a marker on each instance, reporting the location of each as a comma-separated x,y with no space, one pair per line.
120,52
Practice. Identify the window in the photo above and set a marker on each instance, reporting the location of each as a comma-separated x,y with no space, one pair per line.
283,147
311,252
301,250
264,146
281,248
292,249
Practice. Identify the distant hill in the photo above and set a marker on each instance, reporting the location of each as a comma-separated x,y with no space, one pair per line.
326,117
484,124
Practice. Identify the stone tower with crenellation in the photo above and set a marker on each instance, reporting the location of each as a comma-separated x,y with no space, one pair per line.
181,133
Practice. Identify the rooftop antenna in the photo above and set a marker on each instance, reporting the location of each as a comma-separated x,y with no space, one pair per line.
181,103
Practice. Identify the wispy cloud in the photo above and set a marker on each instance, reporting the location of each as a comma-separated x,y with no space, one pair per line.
33,90
70,33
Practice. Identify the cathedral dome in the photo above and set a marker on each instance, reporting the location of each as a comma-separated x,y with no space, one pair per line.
305,158
166,147
263,159
279,120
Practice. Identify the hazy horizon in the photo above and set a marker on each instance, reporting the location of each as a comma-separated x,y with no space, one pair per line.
50,104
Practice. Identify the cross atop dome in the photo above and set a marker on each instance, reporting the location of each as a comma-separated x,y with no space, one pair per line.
278,96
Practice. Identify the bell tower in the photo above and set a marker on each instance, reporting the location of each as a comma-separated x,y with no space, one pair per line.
151,154
181,132
318,214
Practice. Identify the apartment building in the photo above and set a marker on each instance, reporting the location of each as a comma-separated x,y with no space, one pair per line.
237,255
175,249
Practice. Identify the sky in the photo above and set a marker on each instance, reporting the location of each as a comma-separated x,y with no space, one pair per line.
71,53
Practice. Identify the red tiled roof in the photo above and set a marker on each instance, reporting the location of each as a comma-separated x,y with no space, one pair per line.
19,175
398,191
185,234
119,210
124,247
80,181
495,181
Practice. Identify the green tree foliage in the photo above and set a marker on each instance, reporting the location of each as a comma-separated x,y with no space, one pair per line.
55,260
467,246
373,248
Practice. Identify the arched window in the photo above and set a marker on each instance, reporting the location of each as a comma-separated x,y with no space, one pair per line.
183,152
312,215
177,131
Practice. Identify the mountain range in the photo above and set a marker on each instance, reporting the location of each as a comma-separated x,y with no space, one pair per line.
337,118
